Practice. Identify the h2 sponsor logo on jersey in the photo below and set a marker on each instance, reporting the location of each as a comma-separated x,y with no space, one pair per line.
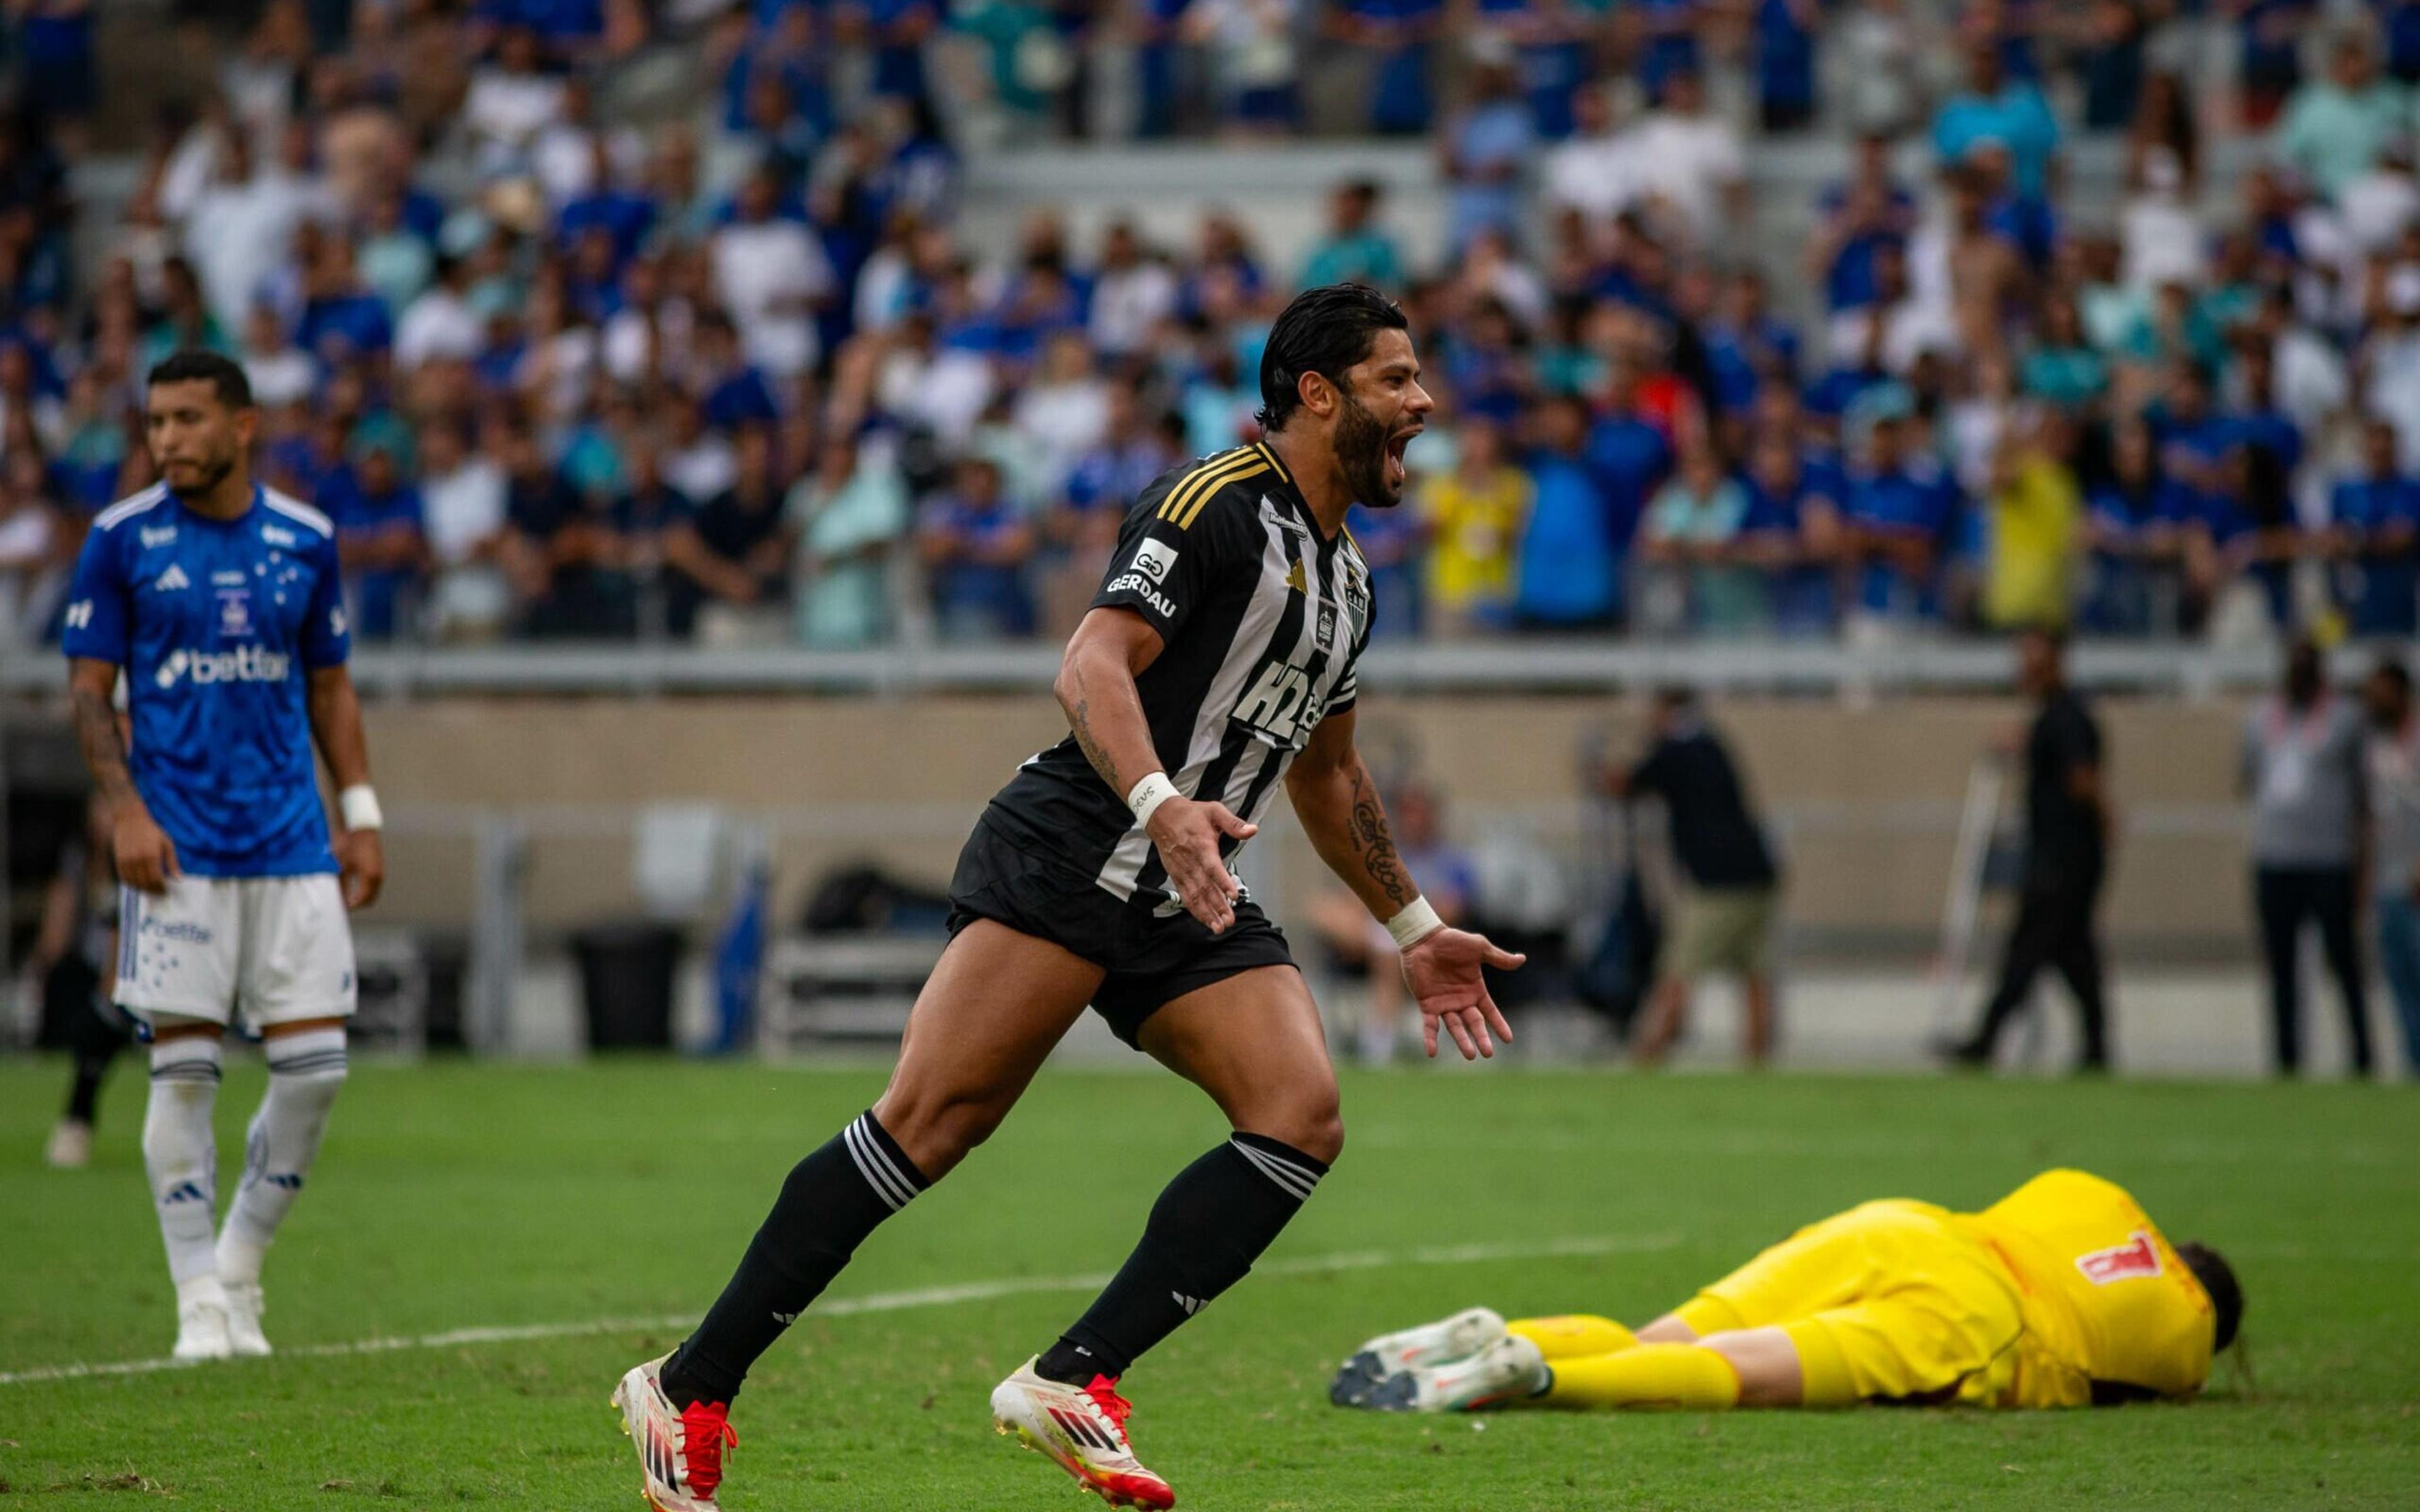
247,664
2138,1256
1279,703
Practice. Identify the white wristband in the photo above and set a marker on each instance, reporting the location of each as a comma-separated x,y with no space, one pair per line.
359,806
1416,922
1148,795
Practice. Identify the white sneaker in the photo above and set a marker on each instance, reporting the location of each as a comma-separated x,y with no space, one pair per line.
70,1145
1083,1428
243,1309
1391,1356
680,1454
202,1321
1507,1370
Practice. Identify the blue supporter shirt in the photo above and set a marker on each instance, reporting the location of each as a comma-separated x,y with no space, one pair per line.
1570,568
1914,501
1629,458
215,623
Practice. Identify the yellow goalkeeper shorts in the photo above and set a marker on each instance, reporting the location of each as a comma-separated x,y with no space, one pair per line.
1887,1301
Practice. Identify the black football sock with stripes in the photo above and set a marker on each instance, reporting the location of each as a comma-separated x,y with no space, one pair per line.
832,1199
1205,1232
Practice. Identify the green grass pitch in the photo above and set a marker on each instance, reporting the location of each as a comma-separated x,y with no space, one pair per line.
459,1196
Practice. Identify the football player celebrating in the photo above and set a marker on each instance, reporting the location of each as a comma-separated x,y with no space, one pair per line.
1216,666
2063,1294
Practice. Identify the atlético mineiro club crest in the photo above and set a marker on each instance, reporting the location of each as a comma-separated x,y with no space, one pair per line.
2137,1257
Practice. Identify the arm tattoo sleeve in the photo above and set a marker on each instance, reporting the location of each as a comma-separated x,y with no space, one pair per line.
1080,719
1366,827
96,727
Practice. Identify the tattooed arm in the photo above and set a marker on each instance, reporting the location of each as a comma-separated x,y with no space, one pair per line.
147,858
1340,811
1338,805
1096,686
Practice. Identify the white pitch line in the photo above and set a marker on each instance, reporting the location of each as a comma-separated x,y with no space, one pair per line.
885,1302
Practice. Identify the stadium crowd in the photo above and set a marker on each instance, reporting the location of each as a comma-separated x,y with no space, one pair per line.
737,378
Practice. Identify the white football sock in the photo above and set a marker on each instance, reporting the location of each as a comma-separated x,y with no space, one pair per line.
180,1153
305,1071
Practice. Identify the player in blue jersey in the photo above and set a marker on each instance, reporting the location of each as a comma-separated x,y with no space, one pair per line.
219,601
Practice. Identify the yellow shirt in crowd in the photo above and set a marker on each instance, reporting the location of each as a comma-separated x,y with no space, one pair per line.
1474,528
2031,555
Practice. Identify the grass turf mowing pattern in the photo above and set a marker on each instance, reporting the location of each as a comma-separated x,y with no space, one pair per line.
458,1196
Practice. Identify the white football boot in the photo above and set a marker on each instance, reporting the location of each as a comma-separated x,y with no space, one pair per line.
245,1306
70,1145
1083,1428
680,1454
202,1330
1391,1356
1508,1370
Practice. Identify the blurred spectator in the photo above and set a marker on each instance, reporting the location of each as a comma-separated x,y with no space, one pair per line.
1993,108
975,547
1881,45
726,562
2135,534
511,101
1785,62
1691,164
848,516
1860,217
1355,250
35,548
1473,517
1900,511
1726,915
1253,58
1573,550
2270,62
2033,515
773,277
1594,168
2377,517
1484,153
1133,291
463,515
379,530
2393,761
2304,767
2335,126
1792,530
1395,36
1694,526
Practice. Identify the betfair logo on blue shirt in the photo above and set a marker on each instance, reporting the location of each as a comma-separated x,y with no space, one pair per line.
247,664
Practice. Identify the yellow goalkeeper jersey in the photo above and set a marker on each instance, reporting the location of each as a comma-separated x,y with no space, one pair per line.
2109,1310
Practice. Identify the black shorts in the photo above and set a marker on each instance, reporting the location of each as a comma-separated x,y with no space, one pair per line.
1150,961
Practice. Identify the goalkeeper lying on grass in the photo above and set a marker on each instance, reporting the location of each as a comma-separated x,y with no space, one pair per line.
2061,1294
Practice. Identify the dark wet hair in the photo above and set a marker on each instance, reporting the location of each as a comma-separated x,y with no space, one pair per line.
1325,330
2225,1293
222,374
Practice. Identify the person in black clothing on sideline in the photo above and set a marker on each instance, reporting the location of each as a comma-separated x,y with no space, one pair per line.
1726,919
2067,854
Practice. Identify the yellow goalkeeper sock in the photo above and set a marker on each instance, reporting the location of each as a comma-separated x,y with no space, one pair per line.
1684,1375
1573,1334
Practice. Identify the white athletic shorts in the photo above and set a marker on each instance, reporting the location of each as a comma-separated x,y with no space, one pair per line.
276,948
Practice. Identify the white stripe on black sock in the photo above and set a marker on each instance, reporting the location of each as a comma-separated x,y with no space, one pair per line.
1291,1178
877,1171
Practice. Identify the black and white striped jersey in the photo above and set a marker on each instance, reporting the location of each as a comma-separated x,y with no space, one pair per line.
1262,619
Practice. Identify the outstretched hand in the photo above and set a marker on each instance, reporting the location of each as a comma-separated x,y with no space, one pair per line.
1442,972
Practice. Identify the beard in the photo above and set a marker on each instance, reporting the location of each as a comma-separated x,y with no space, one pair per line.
212,473
1362,455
